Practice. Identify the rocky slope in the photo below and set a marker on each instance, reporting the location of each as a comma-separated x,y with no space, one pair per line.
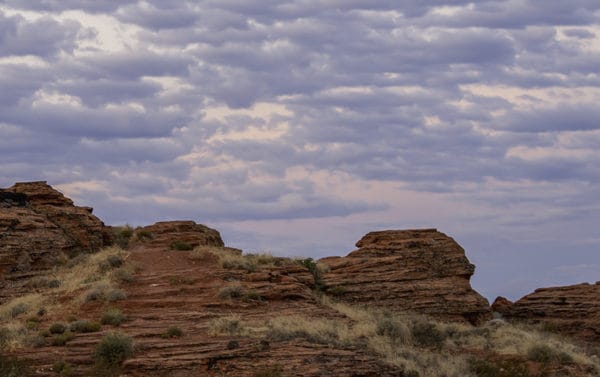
573,309
416,270
39,227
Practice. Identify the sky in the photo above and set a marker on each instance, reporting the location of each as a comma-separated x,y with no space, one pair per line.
296,127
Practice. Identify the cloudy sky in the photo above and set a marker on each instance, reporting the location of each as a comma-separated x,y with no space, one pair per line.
298,126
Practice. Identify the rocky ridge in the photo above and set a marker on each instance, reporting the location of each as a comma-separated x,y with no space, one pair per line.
573,309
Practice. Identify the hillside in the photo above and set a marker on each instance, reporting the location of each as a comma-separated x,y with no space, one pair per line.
79,298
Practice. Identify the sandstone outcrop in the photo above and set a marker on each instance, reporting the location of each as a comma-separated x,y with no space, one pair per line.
170,234
39,225
573,309
408,270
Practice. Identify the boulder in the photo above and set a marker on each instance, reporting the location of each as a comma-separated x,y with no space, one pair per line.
408,270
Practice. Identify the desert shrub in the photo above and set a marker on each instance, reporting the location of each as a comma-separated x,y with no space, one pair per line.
32,323
316,271
85,326
253,296
38,282
181,245
13,367
54,283
113,349
336,291
123,275
122,235
18,309
116,295
397,331
143,234
37,341
545,354
173,332
427,334
270,371
115,261
63,369
233,344
500,368
57,328
230,325
94,294
62,339
112,316
231,291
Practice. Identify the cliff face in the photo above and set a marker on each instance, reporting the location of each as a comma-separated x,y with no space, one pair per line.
408,270
38,225
573,309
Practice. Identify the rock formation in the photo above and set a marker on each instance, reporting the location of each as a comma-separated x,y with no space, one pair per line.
167,234
39,225
408,270
573,309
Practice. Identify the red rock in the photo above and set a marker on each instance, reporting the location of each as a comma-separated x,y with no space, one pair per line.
408,270
502,305
164,234
573,309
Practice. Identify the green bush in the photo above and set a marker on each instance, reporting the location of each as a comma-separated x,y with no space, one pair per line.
85,326
57,328
173,332
500,368
62,339
116,295
143,234
427,334
112,316
63,369
122,235
181,245
123,275
13,367
546,354
113,349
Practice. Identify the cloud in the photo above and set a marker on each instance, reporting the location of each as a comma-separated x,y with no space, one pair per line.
44,37
475,117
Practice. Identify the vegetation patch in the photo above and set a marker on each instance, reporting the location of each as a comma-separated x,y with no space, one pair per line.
85,326
63,369
228,325
14,367
112,316
270,371
181,245
173,332
112,350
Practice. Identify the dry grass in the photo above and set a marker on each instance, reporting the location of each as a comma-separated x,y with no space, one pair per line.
84,278
413,342
227,325
233,259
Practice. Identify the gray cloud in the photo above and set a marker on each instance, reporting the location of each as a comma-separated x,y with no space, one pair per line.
373,96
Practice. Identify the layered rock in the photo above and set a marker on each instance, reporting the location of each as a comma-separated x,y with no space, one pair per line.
38,224
169,234
408,270
573,309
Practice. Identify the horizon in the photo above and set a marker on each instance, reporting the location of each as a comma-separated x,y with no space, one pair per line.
297,127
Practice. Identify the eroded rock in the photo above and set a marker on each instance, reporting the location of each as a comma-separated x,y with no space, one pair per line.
408,270
573,309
